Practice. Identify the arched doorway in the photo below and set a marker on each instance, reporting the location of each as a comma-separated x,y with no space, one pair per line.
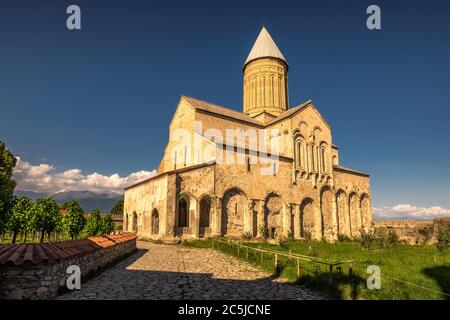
134,226
326,202
233,208
273,216
307,219
155,222
205,214
183,213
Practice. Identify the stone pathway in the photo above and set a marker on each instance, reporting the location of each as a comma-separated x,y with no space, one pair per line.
159,271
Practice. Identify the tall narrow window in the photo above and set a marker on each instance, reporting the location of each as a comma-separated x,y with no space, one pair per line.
175,161
323,159
249,168
185,155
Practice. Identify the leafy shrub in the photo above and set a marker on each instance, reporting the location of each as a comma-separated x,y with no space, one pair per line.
246,235
307,235
344,238
425,235
443,236
264,232
378,238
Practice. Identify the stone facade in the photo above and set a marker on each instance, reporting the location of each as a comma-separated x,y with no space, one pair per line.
30,279
289,183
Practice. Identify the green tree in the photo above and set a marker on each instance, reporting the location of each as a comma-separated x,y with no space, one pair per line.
443,236
94,224
74,221
107,224
7,184
19,216
46,217
118,207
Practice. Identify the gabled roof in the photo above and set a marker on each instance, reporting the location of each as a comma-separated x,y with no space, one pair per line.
222,111
264,47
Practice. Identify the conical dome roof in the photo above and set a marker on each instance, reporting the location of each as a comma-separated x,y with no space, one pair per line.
264,47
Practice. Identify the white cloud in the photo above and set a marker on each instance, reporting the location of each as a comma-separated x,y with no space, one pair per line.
45,178
409,211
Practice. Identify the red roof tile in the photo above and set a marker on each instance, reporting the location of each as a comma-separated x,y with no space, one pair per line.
18,254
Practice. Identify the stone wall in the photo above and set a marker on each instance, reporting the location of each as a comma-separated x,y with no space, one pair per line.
38,271
407,230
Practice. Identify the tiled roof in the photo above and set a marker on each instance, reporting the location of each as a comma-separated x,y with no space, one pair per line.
216,109
18,254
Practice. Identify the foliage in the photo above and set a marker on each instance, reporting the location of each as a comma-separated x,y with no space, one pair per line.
93,224
19,217
443,236
46,216
264,232
247,235
425,234
344,238
307,235
74,220
118,207
7,184
107,224
378,238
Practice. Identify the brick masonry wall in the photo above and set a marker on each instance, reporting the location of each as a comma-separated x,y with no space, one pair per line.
42,280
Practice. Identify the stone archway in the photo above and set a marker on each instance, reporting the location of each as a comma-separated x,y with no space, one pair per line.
273,214
326,212
155,221
233,209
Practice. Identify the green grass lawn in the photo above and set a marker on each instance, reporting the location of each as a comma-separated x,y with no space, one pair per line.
422,265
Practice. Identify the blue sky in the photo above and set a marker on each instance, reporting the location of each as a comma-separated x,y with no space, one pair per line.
100,99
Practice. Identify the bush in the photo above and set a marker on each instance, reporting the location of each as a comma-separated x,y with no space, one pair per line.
264,232
443,236
378,238
107,225
74,221
246,235
307,235
344,238
425,235
94,224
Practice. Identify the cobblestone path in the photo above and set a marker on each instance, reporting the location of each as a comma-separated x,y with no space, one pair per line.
160,271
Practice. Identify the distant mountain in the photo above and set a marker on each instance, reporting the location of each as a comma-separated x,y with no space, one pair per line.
87,199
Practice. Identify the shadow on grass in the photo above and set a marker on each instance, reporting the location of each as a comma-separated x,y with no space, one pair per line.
343,286
441,274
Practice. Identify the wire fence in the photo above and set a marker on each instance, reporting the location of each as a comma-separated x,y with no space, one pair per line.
251,252
260,255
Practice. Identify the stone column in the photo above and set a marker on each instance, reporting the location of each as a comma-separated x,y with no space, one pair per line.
194,218
297,222
287,219
260,217
217,217
248,218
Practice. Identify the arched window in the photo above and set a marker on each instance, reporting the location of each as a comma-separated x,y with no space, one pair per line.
322,156
155,222
183,213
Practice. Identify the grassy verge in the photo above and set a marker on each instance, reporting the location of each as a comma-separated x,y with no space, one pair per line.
421,265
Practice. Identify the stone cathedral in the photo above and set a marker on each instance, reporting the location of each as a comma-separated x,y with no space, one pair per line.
300,190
